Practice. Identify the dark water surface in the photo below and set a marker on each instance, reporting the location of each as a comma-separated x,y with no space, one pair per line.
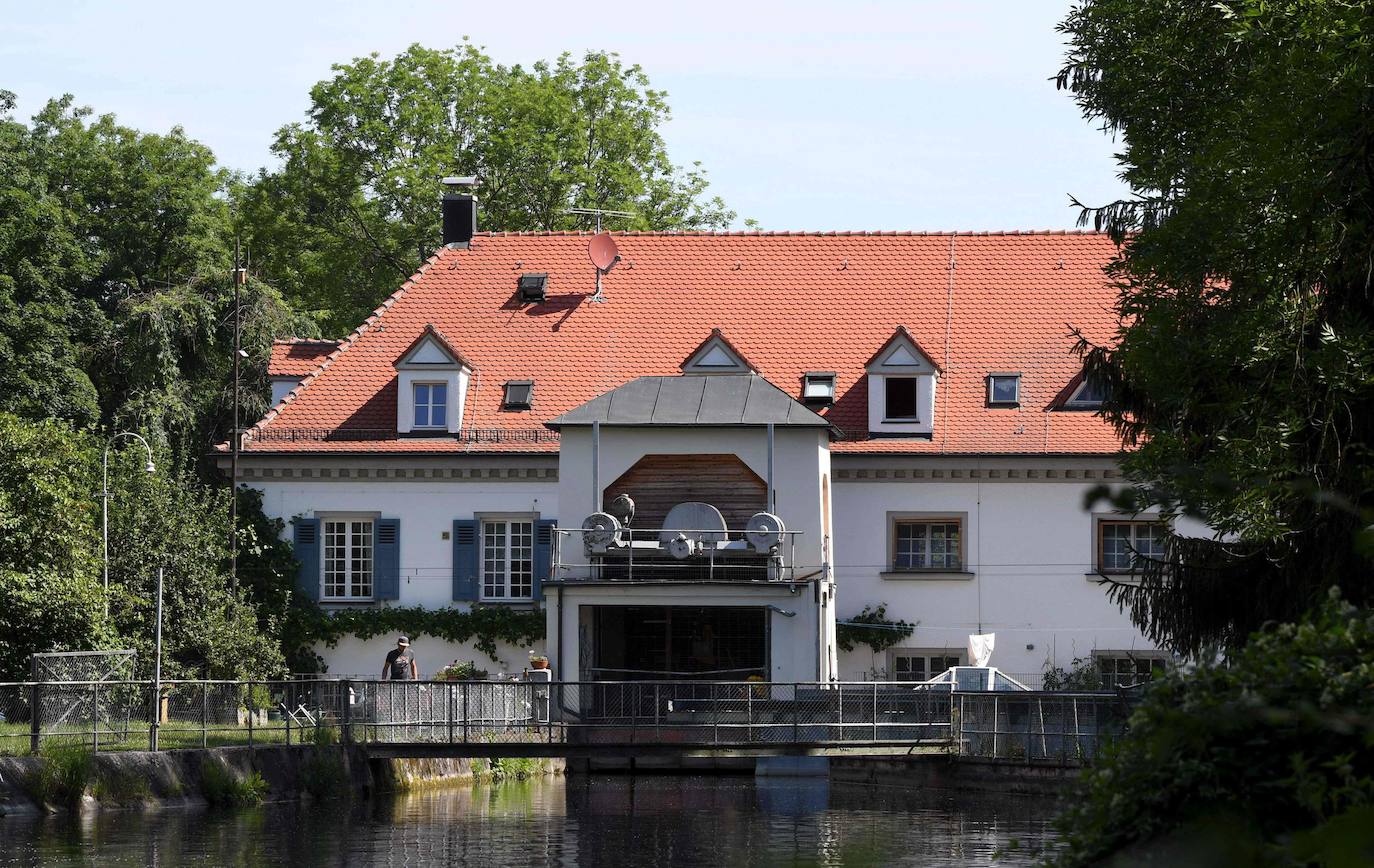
578,821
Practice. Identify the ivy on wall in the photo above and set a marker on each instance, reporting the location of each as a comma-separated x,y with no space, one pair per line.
484,626
872,627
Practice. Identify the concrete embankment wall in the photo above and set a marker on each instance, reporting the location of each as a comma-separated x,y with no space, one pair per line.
946,773
140,779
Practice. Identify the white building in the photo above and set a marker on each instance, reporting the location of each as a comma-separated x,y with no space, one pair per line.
906,407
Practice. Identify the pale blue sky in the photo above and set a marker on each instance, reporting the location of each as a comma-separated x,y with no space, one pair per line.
808,115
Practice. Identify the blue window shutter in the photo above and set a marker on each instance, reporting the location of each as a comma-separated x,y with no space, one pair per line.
305,541
543,554
386,560
465,576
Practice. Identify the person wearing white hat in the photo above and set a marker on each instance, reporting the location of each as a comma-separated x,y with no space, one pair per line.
400,663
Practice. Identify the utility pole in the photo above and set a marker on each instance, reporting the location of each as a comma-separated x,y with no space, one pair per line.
240,277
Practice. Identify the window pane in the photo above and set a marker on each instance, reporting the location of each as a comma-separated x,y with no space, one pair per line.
438,394
361,574
901,397
438,416
1116,542
494,558
521,559
910,546
335,558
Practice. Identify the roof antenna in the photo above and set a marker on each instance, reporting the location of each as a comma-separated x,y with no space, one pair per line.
599,212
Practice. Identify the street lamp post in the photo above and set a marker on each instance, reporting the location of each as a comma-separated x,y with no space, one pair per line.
105,500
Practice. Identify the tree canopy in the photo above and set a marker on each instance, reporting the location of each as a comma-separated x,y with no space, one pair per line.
353,210
1243,369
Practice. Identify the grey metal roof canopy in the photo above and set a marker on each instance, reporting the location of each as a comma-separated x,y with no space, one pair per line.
735,399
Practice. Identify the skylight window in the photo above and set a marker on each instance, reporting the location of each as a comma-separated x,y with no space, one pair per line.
1004,390
532,288
818,387
518,395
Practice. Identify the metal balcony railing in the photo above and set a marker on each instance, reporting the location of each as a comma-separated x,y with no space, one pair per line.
640,556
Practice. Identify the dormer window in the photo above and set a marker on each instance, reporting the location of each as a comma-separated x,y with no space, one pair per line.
431,405
431,383
518,395
1088,395
901,388
1004,390
818,388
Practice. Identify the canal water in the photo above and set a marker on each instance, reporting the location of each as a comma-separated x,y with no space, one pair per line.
577,821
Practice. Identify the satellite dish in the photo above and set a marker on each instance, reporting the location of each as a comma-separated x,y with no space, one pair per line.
603,252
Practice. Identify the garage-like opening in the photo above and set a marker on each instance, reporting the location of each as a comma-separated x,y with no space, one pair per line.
708,643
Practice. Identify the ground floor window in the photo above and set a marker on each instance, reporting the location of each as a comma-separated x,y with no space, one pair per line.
916,665
1119,669
347,558
507,559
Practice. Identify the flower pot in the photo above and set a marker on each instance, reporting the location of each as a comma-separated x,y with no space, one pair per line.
539,663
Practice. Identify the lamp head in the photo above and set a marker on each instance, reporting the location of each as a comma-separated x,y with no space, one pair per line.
150,468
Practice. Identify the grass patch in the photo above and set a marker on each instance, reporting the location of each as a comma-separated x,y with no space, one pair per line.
323,774
120,786
506,769
63,775
221,786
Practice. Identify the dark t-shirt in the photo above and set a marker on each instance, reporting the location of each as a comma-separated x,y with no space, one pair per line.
398,664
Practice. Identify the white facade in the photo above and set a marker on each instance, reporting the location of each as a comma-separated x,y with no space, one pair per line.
1027,568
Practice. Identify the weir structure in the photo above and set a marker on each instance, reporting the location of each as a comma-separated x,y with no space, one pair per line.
569,719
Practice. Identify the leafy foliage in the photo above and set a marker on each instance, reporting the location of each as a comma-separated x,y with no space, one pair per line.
1082,675
484,626
872,627
1264,760
354,208
1243,368
51,595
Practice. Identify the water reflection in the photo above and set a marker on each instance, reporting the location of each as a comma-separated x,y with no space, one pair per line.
613,820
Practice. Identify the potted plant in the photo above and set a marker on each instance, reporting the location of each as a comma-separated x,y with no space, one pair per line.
456,671
539,661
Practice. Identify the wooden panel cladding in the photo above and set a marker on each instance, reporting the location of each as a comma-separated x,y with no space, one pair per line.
657,483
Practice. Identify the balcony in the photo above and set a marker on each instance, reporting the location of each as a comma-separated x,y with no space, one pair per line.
676,555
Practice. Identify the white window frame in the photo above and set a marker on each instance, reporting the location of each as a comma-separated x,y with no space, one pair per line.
1014,400
1100,539
824,384
896,519
350,521
507,557
415,405
1075,402
925,655
1153,658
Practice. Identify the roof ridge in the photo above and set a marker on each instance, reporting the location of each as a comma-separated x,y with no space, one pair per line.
293,341
344,344
788,233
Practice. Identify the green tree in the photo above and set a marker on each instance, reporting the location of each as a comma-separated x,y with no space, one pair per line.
1243,370
354,208
1262,761
51,595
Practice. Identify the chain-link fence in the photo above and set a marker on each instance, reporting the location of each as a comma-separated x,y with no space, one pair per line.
130,715
1052,728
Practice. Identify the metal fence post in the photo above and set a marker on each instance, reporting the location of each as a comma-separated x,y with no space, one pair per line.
205,714
252,712
875,711
796,712
35,716
996,726
95,717
346,713
287,690
448,688
466,685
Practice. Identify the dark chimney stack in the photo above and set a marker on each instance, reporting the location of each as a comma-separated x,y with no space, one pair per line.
459,212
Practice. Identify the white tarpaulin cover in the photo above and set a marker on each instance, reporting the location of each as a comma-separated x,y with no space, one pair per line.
980,648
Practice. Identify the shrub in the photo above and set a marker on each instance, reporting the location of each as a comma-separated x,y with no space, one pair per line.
120,786
221,786
62,776
1264,760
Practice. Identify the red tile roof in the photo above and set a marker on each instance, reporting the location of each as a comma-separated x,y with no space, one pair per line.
790,302
296,357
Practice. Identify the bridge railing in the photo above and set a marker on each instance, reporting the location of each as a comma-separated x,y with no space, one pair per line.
124,715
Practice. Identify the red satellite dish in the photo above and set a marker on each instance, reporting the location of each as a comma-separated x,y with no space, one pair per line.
603,252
